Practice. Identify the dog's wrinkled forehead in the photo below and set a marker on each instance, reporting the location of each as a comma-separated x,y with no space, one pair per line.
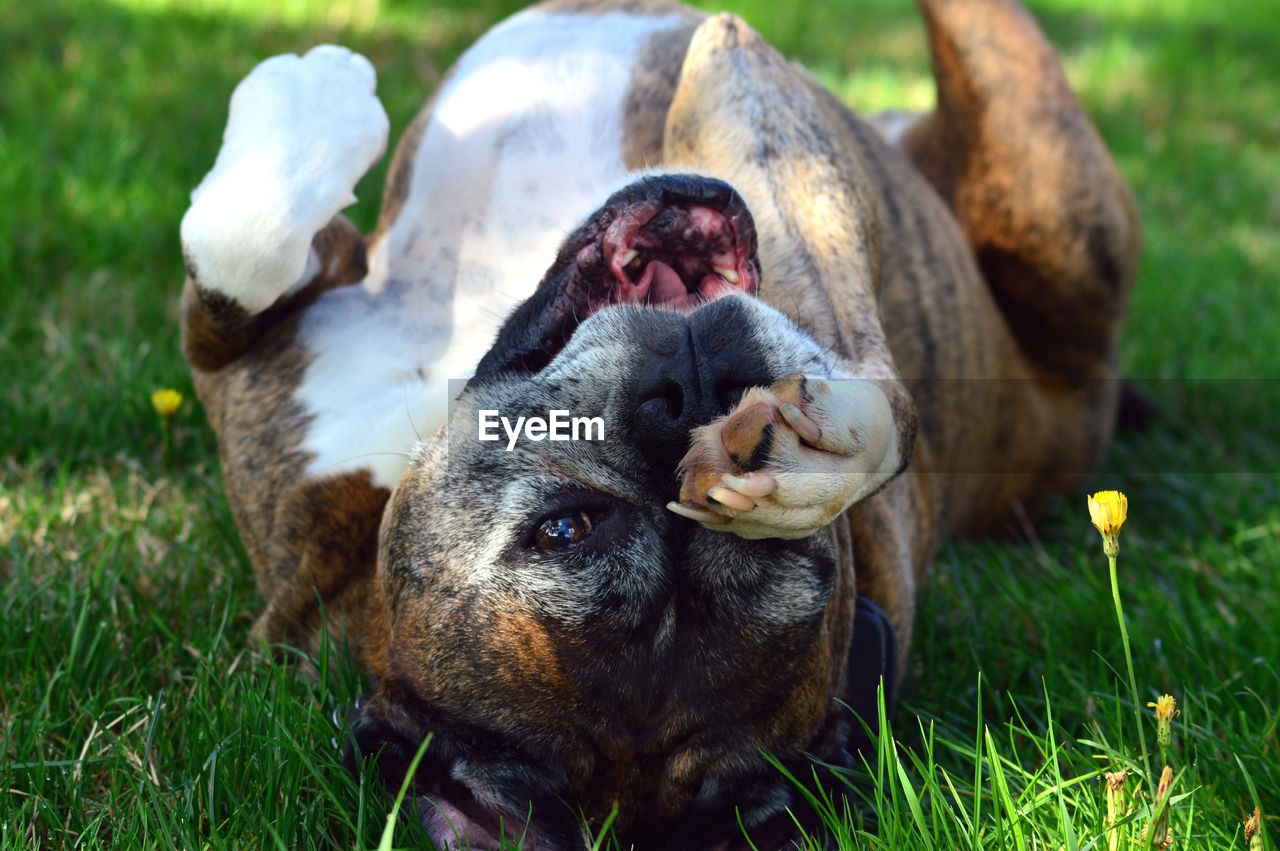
541,427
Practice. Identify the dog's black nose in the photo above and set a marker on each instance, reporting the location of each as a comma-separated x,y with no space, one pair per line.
697,368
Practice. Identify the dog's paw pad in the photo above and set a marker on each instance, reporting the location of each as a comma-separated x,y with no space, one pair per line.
737,446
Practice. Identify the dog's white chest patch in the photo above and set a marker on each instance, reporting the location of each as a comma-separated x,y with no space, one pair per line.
525,141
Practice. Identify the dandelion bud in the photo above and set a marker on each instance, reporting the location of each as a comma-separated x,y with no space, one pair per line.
1158,831
1108,510
1165,708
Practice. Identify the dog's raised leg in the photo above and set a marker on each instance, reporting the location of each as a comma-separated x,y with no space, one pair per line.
1052,222
741,112
263,231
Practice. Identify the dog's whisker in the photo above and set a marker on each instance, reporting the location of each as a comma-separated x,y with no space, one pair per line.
408,413
373,454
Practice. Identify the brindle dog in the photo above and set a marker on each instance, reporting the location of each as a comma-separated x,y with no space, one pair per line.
816,345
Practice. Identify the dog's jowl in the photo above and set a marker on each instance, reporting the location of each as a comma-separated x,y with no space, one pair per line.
674,510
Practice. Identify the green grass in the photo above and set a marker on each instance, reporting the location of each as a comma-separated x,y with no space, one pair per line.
131,711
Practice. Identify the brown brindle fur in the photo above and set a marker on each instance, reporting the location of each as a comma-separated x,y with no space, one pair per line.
1048,218
649,98
1060,209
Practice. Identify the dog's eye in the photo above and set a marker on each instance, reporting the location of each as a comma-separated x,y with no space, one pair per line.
560,532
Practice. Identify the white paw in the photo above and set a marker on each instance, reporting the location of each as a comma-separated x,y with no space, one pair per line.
791,458
301,132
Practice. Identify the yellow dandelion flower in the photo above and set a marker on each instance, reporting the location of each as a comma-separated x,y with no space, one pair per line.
1166,707
1108,510
166,401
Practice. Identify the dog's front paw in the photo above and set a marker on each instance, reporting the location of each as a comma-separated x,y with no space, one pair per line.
300,134
790,458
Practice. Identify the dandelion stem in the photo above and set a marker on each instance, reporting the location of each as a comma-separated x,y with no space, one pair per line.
1128,658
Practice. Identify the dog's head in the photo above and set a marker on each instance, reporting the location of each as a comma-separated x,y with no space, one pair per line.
568,642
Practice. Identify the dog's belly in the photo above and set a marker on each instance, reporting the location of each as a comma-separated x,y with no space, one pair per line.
525,140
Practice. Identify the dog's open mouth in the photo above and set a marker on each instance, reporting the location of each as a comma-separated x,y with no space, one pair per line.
668,241
676,256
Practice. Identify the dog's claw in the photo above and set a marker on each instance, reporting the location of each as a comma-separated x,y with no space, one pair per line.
807,429
731,499
756,484
697,514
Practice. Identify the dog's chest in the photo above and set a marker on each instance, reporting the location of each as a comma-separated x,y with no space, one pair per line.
525,140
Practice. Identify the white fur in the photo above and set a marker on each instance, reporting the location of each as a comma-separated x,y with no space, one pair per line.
300,133
524,143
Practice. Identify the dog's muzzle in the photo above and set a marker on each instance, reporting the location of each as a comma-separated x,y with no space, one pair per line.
696,368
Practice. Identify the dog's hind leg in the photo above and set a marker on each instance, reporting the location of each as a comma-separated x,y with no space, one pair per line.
263,234
1051,220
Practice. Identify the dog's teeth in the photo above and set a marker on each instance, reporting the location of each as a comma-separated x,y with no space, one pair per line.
630,256
728,274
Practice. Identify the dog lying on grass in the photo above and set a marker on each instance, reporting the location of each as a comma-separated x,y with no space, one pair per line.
812,345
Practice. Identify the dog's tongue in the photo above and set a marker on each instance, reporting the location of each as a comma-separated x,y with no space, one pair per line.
450,828
455,827
667,285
